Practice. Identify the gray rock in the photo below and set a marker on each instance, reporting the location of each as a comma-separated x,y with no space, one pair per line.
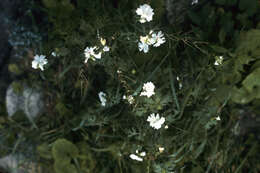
29,100
11,163
18,163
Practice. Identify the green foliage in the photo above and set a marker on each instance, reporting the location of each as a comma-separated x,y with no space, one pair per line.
64,152
221,20
200,101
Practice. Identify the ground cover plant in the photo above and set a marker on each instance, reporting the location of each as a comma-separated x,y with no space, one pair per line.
126,91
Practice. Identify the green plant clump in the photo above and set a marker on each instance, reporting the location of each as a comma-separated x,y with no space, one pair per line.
126,93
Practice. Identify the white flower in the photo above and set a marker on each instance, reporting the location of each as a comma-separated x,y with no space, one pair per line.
219,60
145,12
151,39
180,85
155,121
161,149
144,43
106,49
90,53
102,98
39,62
166,127
129,98
159,38
194,2
143,47
54,54
148,89
143,154
147,40
135,157
218,118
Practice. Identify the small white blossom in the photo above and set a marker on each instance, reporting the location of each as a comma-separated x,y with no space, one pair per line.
219,60
102,98
145,12
156,121
129,98
218,118
106,49
135,157
144,43
143,154
90,53
143,47
180,85
159,39
161,149
148,89
39,61
194,2
54,54
166,127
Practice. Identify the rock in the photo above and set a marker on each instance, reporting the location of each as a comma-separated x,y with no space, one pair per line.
28,100
11,163
17,163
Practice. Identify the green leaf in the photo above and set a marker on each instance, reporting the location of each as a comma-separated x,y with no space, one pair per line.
256,65
222,36
219,49
200,148
49,3
44,151
252,80
63,167
241,96
62,109
197,169
179,151
63,150
249,43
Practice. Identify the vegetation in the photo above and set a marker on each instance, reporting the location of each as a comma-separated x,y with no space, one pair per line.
206,78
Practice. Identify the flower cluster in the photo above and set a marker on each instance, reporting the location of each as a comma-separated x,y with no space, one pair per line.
145,12
129,98
95,52
39,61
152,39
139,156
148,89
156,121
219,60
